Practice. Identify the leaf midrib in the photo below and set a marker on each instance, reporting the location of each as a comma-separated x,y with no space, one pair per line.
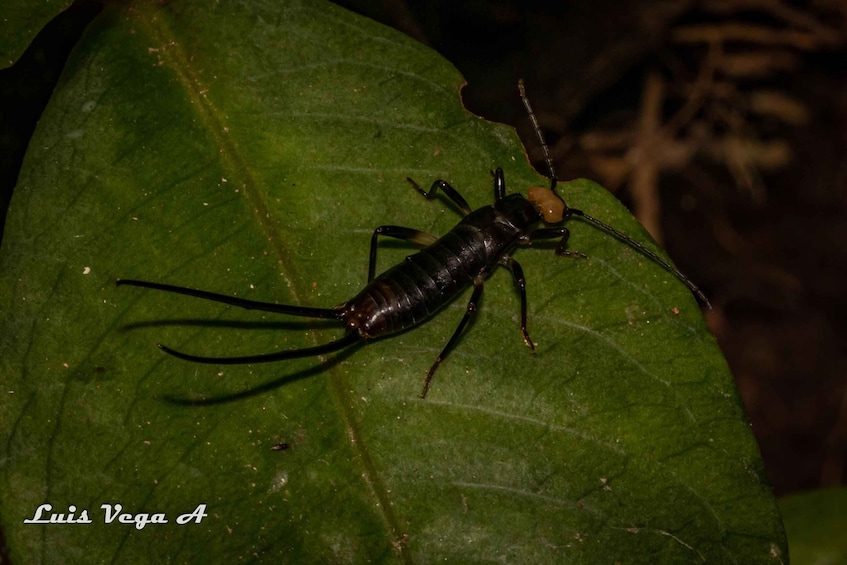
232,158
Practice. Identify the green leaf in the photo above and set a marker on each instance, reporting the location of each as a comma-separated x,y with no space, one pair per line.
20,22
251,149
815,524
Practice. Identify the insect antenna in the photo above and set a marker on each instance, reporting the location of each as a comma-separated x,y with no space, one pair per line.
568,211
537,128
644,251
304,311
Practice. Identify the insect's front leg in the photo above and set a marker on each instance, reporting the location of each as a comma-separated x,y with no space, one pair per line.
517,274
553,233
451,192
417,237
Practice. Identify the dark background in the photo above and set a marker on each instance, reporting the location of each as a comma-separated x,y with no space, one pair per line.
722,124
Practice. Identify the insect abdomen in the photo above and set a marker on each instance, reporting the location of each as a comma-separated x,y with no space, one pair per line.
415,289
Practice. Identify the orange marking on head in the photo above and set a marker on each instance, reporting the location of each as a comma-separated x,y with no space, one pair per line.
548,203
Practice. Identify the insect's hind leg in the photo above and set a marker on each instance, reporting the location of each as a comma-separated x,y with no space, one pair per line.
398,232
451,192
478,284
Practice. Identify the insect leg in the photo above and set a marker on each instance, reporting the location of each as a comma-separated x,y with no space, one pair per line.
478,284
517,273
499,184
553,233
415,236
451,192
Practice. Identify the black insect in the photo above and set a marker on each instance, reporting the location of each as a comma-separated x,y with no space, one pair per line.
411,292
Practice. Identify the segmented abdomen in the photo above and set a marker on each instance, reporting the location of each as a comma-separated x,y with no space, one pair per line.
415,289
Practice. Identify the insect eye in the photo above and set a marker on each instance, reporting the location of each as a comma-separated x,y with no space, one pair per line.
547,202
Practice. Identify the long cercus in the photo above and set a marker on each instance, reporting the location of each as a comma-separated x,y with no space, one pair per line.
414,290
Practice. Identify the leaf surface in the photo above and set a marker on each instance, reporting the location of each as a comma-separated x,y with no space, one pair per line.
20,22
251,150
815,525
